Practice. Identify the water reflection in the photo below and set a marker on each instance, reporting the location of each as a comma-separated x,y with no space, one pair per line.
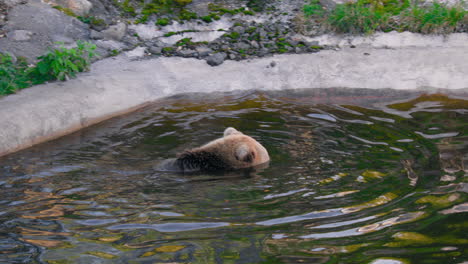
353,179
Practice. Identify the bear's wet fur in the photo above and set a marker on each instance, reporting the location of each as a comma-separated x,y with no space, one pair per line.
233,151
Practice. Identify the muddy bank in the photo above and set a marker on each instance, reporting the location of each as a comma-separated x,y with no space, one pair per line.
120,84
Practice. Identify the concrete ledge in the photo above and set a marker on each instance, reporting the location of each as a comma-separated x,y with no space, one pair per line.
118,85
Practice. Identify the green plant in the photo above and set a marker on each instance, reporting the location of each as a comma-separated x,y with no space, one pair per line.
207,19
393,7
436,18
162,22
167,49
258,5
13,75
165,6
114,52
232,35
357,18
62,63
57,64
128,9
313,8
172,33
187,15
184,42
182,2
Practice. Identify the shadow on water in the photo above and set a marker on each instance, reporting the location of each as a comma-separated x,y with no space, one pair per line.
357,176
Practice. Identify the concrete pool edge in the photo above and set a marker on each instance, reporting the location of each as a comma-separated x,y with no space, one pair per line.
119,85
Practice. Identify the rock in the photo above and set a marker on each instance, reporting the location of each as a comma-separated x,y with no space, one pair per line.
155,50
262,33
263,52
186,53
312,43
96,35
130,40
239,29
242,46
79,7
137,52
255,44
20,35
115,32
110,45
12,3
47,24
203,51
216,59
232,56
59,39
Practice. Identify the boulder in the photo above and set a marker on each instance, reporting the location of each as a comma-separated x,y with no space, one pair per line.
78,7
216,59
155,50
203,51
33,27
186,53
115,32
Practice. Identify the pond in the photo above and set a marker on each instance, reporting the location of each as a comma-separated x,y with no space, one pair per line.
356,176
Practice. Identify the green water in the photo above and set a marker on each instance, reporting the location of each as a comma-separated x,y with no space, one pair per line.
352,179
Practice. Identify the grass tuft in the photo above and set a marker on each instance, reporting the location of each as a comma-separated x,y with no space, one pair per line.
369,16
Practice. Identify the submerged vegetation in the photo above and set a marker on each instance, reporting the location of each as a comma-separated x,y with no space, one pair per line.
57,64
369,16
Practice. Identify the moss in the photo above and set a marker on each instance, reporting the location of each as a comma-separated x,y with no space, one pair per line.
232,35
187,15
128,9
162,22
207,19
314,8
251,30
282,45
171,33
97,21
184,42
66,11
182,2
167,49
114,52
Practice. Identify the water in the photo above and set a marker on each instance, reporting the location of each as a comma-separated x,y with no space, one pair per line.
352,180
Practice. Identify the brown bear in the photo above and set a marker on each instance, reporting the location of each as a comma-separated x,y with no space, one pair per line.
233,151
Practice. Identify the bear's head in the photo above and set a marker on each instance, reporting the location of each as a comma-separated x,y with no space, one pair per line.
233,151
241,151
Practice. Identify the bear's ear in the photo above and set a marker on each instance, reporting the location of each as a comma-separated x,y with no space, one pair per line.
231,131
244,154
